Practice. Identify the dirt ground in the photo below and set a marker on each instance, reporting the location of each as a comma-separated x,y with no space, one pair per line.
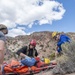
71,74
50,73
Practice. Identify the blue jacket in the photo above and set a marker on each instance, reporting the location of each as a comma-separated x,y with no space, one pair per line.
63,39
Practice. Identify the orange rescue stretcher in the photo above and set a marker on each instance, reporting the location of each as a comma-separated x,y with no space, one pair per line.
14,68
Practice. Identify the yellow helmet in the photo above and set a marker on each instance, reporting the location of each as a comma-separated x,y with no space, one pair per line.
54,34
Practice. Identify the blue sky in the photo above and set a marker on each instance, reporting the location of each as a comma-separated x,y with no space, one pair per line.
23,17
66,24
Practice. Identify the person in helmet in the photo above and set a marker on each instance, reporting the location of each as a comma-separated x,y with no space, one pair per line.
61,39
28,50
3,32
28,53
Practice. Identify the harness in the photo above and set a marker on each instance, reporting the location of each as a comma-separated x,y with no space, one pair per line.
28,51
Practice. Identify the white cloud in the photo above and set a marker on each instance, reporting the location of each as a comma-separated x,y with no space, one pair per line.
16,32
30,33
19,31
30,25
43,21
9,24
25,12
21,28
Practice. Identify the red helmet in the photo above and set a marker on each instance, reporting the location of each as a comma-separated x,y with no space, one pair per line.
33,42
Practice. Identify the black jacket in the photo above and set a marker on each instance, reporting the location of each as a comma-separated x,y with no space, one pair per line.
27,51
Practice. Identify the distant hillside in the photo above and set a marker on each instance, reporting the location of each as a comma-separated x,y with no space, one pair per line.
45,43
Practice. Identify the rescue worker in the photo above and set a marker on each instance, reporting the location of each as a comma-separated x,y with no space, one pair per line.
3,32
61,39
28,53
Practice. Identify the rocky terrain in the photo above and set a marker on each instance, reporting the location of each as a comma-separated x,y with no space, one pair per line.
46,47
45,44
